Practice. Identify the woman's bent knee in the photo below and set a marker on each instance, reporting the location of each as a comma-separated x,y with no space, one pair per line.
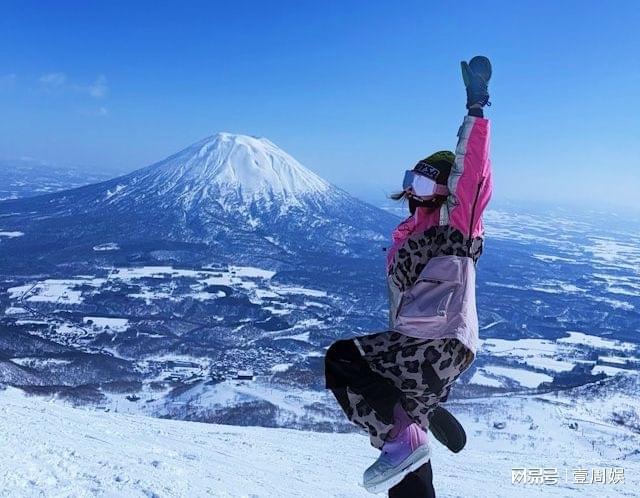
343,350
339,354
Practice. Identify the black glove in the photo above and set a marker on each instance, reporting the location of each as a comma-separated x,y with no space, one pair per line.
476,75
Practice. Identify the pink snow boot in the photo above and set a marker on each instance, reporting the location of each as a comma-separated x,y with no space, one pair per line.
401,454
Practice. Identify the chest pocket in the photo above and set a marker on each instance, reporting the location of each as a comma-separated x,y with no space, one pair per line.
428,301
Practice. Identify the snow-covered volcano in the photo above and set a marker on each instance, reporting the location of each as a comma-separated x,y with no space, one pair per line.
233,171
227,194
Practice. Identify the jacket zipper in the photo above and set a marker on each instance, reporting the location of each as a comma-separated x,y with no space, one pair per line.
473,215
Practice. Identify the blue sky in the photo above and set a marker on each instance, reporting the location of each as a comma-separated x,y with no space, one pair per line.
357,91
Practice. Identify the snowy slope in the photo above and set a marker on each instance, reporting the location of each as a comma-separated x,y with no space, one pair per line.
53,450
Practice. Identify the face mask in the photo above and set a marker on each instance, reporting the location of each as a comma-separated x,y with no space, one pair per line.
422,186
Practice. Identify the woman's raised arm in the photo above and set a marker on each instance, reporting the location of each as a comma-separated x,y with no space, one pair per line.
470,182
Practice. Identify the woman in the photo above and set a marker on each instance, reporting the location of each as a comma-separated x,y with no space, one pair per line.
390,382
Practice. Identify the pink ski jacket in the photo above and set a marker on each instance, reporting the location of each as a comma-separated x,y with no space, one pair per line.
431,264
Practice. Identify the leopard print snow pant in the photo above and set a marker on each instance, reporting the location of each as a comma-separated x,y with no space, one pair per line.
369,374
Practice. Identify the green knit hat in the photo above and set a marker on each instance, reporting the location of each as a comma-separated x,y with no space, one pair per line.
437,166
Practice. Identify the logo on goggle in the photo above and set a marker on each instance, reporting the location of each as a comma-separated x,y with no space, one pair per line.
427,170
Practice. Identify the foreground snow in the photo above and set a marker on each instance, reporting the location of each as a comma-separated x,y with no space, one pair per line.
50,449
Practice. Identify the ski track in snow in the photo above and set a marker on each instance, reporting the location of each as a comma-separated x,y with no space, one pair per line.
51,449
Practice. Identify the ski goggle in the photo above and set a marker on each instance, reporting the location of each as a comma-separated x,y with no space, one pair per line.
422,186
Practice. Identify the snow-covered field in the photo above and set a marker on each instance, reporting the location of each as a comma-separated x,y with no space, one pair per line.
11,234
255,282
51,449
